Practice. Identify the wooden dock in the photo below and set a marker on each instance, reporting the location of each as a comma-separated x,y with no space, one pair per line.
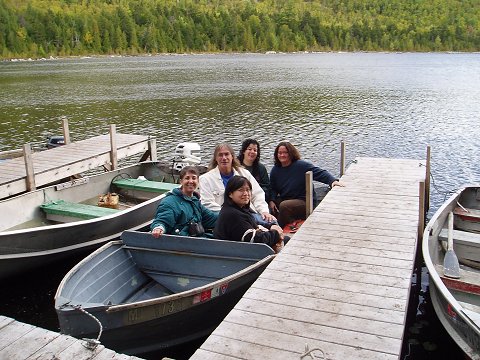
67,160
340,288
22,341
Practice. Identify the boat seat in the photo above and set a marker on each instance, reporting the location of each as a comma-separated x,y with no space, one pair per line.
64,211
467,214
461,237
144,185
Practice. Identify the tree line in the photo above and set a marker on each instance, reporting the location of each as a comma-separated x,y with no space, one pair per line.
43,28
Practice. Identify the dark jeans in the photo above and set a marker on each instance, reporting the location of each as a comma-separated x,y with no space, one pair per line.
259,220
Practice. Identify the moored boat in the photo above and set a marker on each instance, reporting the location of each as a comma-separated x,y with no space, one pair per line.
454,271
142,294
54,222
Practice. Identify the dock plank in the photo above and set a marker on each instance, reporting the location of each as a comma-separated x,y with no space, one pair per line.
21,341
342,283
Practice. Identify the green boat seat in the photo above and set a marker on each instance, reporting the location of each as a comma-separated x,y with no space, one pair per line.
65,211
144,185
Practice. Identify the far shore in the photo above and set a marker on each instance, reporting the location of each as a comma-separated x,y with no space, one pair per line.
96,56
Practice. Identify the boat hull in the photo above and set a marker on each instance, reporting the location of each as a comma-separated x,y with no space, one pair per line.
451,306
113,283
23,249
145,329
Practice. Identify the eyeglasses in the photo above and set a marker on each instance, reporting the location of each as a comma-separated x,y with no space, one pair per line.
243,190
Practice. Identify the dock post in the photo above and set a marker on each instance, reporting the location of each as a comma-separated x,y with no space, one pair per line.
309,193
113,147
30,179
421,210
66,131
427,179
152,148
342,158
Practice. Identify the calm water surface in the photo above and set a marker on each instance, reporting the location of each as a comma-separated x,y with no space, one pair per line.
385,105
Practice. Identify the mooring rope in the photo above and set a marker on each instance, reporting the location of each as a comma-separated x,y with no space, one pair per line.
309,352
90,344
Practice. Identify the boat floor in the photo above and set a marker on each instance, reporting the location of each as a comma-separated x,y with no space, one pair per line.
150,291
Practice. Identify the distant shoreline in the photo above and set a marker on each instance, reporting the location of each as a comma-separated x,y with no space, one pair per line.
97,56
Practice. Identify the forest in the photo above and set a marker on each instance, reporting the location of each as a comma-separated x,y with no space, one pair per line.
46,28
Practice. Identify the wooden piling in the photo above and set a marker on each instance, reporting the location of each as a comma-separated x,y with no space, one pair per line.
113,146
30,178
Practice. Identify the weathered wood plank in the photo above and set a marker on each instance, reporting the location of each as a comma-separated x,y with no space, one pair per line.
359,230
320,271
315,255
341,264
384,212
243,343
346,245
12,332
53,347
27,344
337,306
379,238
400,246
331,333
346,297
331,282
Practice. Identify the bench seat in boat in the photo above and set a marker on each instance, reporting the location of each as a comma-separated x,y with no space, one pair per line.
64,211
144,185
466,244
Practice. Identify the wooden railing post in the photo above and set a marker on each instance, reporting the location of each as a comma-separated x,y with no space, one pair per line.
66,131
427,179
30,179
309,193
152,147
342,158
113,147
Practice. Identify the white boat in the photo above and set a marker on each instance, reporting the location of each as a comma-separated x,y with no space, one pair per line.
454,271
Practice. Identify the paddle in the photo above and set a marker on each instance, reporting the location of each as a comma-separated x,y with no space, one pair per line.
451,268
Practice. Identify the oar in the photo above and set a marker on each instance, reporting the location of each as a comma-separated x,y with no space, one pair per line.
451,268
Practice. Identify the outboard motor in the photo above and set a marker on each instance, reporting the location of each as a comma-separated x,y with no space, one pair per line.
186,153
55,141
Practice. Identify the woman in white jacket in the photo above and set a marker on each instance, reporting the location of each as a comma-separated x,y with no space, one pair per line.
223,166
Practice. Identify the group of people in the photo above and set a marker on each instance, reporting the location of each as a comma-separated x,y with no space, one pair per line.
237,199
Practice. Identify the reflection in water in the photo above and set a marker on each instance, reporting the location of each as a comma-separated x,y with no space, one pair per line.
385,105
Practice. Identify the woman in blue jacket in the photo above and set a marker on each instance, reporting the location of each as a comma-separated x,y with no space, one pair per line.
287,180
181,212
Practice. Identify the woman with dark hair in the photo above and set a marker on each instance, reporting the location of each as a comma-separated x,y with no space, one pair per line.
223,166
235,221
249,157
287,179
180,212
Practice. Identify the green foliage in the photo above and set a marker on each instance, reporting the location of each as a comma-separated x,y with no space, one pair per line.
41,28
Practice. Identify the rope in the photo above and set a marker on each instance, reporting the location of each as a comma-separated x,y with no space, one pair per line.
445,193
313,356
90,344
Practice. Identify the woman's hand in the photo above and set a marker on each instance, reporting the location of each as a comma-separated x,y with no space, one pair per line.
278,229
157,232
337,183
273,207
278,246
268,217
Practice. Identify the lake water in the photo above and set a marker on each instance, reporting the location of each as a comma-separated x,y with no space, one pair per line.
379,104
